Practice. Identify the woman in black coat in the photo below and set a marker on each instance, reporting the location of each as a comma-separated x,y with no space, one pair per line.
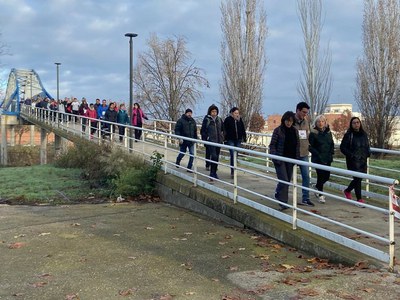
285,142
355,146
322,149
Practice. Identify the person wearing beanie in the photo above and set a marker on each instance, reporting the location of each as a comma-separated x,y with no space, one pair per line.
212,130
186,127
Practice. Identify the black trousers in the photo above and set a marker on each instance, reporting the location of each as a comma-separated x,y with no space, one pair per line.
322,177
356,185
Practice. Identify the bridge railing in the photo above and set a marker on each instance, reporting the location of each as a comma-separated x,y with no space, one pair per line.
260,142
241,187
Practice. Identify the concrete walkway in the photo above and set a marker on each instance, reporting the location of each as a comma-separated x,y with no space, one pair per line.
156,251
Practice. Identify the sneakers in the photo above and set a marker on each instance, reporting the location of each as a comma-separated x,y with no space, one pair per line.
321,199
214,175
347,194
282,207
307,203
360,203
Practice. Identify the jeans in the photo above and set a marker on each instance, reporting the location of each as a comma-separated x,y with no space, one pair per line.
284,171
182,150
235,143
305,179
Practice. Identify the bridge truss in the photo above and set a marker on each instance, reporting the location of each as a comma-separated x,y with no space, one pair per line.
22,85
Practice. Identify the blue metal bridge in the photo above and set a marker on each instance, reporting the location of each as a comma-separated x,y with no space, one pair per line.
22,85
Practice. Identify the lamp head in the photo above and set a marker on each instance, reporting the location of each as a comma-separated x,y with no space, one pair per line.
131,35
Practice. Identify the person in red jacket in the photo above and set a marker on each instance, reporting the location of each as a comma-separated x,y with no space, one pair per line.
91,113
137,120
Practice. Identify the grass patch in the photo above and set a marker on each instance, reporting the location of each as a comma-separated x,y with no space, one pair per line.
45,184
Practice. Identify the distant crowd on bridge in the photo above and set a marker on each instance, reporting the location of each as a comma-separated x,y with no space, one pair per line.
294,138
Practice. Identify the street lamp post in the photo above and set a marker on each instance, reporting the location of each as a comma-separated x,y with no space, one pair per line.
58,80
131,36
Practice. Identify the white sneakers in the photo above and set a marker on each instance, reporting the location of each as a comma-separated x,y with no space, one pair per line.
321,199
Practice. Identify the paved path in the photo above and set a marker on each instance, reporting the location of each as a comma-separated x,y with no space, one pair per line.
156,251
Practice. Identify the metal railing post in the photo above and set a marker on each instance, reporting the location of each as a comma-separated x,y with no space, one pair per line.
367,180
235,188
194,164
165,153
391,230
294,224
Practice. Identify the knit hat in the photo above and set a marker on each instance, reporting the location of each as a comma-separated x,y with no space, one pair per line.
188,110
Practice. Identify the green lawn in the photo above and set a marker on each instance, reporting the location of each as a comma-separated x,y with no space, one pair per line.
45,184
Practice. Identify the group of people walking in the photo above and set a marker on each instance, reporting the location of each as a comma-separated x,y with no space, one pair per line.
213,129
294,139
92,113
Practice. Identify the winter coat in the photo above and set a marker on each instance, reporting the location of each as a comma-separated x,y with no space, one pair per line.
111,116
92,115
212,130
234,130
186,126
355,146
122,117
277,144
138,116
83,108
101,111
303,126
322,147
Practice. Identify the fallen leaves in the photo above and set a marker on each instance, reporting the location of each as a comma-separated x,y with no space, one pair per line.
127,292
44,233
38,284
16,245
72,297
307,292
187,265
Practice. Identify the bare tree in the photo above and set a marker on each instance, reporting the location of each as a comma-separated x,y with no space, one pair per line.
378,78
341,124
166,81
316,82
244,31
257,122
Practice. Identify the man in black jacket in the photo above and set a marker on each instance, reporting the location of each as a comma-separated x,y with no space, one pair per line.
186,127
110,116
235,132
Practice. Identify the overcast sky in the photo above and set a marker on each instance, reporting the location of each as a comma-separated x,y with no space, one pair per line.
87,37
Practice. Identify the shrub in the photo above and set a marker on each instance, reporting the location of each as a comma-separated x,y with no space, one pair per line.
133,182
112,167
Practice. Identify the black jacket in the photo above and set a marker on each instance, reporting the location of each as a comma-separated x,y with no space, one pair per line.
186,127
111,115
355,146
212,130
234,130
322,147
